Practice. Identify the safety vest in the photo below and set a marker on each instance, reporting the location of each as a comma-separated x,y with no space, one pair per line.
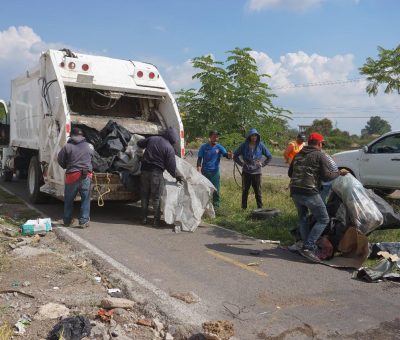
289,154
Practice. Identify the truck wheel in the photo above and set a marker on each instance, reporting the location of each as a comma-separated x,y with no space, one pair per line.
35,181
7,175
384,192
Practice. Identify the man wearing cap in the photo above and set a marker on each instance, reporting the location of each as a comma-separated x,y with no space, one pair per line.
76,158
209,156
294,148
309,168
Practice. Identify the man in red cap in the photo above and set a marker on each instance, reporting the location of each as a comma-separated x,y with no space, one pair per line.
309,168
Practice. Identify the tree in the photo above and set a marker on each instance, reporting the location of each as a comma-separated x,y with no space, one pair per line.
383,71
231,97
323,126
376,126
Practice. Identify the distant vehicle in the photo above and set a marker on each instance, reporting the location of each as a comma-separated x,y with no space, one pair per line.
376,165
68,88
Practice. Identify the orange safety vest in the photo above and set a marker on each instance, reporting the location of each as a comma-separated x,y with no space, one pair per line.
292,150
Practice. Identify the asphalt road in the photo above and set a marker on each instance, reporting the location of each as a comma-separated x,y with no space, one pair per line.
283,294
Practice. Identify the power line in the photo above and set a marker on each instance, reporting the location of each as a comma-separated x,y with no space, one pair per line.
322,83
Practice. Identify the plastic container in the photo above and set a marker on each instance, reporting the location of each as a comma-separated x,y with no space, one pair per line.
37,226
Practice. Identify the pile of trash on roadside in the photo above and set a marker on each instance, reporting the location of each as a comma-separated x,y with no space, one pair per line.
116,152
354,213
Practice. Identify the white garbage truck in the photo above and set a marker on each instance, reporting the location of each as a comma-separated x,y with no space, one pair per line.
67,89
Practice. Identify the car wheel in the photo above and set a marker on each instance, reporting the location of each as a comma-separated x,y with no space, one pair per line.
35,181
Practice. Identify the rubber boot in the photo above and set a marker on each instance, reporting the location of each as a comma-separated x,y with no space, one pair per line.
145,206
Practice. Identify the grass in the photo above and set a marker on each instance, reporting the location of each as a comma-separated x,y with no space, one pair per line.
275,195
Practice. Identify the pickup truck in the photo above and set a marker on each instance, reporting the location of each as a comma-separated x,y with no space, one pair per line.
376,165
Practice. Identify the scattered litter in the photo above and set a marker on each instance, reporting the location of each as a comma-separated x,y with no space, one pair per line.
82,264
253,264
220,329
105,315
113,290
381,271
386,255
39,225
177,229
278,307
157,325
188,297
56,288
144,322
270,242
72,328
51,311
26,284
15,284
111,302
97,279
21,324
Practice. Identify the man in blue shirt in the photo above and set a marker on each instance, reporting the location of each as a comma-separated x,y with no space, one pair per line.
208,160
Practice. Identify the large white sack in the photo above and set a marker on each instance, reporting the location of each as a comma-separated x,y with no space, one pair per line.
184,205
363,212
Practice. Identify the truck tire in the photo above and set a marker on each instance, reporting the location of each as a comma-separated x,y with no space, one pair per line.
35,181
7,175
264,213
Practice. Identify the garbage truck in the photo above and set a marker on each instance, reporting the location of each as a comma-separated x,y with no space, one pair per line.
68,89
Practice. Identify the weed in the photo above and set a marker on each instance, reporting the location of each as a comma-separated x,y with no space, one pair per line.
6,331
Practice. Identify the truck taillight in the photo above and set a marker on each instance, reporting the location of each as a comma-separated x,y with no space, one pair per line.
183,152
85,67
151,75
62,64
71,65
182,134
67,128
139,74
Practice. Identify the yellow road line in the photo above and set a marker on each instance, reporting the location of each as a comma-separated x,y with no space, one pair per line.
237,263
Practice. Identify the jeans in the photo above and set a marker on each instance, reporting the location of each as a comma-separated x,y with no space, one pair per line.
314,204
253,180
151,187
83,186
214,178
326,189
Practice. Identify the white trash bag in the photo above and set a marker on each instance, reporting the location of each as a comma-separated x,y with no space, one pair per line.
184,205
363,212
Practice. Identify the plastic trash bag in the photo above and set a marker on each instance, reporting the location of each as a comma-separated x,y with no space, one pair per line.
73,328
362,211
184,205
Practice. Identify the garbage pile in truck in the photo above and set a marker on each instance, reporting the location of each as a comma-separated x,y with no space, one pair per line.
354,213
116,152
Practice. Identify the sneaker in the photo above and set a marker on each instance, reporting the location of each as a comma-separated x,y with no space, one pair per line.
310,254
70,224
295,247
84,225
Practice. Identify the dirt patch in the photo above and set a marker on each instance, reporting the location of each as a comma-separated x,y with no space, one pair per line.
386,330
220,329
45,271
300,332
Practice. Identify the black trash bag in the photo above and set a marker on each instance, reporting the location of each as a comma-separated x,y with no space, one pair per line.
91,135
391,247
391,219
73,328
101,164
117,131
111,147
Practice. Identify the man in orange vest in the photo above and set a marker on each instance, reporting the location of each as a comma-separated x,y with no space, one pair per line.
294,148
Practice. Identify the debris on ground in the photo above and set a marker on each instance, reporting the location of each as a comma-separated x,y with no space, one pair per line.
220,329
21,324
145,322
253,264
111,302
270,242
37,226
385,269
51,311
188,297
72,328
105,315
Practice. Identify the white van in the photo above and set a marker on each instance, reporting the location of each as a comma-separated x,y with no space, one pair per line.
68,88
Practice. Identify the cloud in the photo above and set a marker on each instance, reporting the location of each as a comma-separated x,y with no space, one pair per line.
179,76
20,50
338,102
292,5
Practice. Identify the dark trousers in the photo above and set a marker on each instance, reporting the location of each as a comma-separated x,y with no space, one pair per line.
83,187
151,187
214,178
253,180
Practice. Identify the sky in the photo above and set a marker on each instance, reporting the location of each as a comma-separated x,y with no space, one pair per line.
296,42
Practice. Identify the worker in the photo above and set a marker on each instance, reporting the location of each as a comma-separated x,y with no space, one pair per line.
294,148
158,156
252,152
76,158
308,169
209,156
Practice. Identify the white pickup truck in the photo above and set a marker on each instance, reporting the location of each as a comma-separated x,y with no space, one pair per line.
376,165
67,88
